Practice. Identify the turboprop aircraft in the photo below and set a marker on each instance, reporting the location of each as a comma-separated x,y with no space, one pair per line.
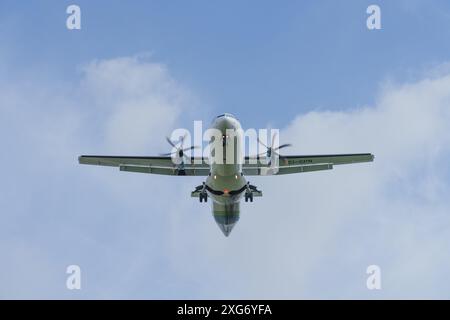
226,169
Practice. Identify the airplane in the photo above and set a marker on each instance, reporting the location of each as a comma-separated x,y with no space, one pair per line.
226,183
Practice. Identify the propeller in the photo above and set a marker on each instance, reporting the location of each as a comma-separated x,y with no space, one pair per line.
179,150
271,150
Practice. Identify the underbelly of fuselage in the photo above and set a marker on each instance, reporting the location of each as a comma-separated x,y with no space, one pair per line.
226,185
226,191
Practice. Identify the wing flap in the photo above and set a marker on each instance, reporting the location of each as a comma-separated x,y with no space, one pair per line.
265,171
334,159
166,170
305,168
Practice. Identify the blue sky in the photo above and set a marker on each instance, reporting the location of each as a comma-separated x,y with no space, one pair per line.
240,55
139,69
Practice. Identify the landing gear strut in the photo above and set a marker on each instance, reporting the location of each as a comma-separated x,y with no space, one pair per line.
248,196
203,196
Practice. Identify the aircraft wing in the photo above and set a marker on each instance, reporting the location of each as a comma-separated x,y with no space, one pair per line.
154,165
307,163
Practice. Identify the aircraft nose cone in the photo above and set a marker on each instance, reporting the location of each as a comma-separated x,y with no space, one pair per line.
226,221
226,228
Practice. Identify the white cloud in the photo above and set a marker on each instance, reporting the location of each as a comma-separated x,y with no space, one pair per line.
311,235
138,102
52,212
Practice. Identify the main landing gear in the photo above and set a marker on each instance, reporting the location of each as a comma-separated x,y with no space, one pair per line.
203,196
248,193
248,196
251,192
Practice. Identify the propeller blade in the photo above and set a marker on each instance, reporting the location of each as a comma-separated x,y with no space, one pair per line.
273,139
273,153
182,140
191,148
170,142
262,143
262,154
167,154
283,146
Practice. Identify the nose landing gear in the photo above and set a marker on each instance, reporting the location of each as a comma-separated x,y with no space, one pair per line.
248,196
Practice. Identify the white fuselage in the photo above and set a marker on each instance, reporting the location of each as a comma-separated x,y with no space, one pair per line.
226,184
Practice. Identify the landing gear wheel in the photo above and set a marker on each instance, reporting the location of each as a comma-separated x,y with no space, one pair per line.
203,196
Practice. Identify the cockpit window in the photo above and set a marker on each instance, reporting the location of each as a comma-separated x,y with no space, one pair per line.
226,115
